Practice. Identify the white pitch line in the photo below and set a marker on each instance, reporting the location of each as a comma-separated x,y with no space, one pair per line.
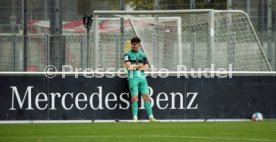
114,121
144,136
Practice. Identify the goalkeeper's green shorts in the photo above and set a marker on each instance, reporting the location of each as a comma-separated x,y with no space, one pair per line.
138,84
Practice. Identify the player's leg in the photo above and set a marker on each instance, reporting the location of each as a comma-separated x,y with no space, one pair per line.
133,88
134,107
144,89
147,105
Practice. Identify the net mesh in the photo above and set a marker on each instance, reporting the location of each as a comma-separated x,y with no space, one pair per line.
183,38
168,40
236,43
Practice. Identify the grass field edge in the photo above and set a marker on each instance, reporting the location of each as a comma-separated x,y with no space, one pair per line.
114,121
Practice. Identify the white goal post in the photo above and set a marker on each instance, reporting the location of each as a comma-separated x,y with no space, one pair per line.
195,38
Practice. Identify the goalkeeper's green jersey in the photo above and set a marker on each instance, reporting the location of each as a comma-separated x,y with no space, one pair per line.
136,58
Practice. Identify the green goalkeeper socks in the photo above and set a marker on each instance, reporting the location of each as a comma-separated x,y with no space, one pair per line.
134,108
148,108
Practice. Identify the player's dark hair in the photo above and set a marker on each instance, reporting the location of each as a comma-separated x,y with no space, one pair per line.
135,40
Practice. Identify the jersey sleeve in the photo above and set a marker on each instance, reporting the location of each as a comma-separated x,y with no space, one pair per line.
145,60
126,57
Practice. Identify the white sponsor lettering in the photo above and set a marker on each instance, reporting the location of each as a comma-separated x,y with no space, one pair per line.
97,100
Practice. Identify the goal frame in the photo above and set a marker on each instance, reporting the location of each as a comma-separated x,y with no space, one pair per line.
211,32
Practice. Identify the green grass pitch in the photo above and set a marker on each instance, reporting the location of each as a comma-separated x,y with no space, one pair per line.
141,132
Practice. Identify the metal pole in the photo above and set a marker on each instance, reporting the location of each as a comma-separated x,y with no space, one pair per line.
230,40
13,17
194,11
14,52
81,52
229,5
122,30
156,4
269,30
46,10
192,4
179,41
211,37
248,7
262,22
24,17
87,21
156,28
88,48
84,50
118,43
57,41
48,37
95,40
122,4
193,50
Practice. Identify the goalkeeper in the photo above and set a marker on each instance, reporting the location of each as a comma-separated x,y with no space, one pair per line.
136,63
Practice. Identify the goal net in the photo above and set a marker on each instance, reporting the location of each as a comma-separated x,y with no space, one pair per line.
194,38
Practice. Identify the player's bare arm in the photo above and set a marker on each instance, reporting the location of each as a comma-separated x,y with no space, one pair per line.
144,67
134,66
